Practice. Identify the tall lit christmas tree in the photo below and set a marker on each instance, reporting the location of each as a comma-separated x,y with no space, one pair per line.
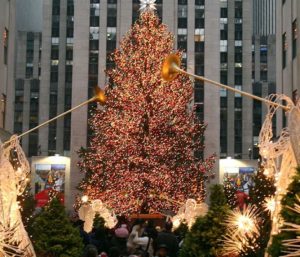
142,153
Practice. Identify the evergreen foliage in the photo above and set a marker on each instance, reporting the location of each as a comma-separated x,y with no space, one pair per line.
53,234
289,200
204,237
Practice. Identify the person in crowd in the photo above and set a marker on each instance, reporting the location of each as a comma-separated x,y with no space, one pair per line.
119,239
138,228
168,239
90,251
162,251
145,242
84,235
114,252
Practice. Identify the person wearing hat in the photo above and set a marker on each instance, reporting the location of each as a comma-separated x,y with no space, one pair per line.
119,238
167,238
162,251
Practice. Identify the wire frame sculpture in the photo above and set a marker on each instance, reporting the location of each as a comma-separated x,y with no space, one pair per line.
280,155
88,211
14,240
292,245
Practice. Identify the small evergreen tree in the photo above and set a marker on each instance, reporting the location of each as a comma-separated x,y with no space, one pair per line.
27,204
230,193
53,234
263,187
204,237
289,200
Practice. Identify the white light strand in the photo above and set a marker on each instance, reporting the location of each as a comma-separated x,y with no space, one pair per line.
292,245
280,156
14,240
189,212
88,211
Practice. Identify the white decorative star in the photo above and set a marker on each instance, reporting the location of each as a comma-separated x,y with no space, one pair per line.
147,5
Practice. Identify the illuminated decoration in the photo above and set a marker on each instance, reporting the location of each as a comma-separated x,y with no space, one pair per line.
14,240
292,245
84,198
270,204
242,230
88,211
147,5
189,212
146,137
280,157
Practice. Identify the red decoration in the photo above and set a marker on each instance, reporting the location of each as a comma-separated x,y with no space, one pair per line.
146,136
42,198
241,198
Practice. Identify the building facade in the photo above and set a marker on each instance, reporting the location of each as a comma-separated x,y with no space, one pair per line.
288,52
27,88
263,63
7,51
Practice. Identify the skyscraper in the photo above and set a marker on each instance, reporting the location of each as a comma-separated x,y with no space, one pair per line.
287,49
7,51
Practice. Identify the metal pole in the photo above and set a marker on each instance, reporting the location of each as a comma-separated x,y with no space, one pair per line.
230,88
55,118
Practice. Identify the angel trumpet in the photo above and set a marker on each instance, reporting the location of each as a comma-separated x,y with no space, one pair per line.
171,68
99,96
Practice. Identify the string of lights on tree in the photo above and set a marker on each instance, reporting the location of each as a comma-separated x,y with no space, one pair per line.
146,136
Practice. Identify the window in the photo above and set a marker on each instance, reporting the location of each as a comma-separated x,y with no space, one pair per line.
29,72
223,57
284,50
55,7
5,44
54,73
223,13
294,38
182,11
238,57
70,8
54,52
238,12
69,73
199,92
199,2
223,34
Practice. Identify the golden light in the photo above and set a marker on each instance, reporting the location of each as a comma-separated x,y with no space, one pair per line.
242,225
100,96
169,68
270,204
245,223
84,198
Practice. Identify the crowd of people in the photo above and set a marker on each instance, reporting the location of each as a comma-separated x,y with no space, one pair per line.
142,239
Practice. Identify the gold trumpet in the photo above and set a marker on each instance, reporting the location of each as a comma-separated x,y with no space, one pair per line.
171,68
99,96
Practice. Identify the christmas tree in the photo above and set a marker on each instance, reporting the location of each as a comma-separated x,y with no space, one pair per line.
204,237
290,216
28,205
263,189
53,234
145,138
230,193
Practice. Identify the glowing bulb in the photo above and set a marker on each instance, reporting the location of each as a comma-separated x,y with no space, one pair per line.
84,198
270,204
